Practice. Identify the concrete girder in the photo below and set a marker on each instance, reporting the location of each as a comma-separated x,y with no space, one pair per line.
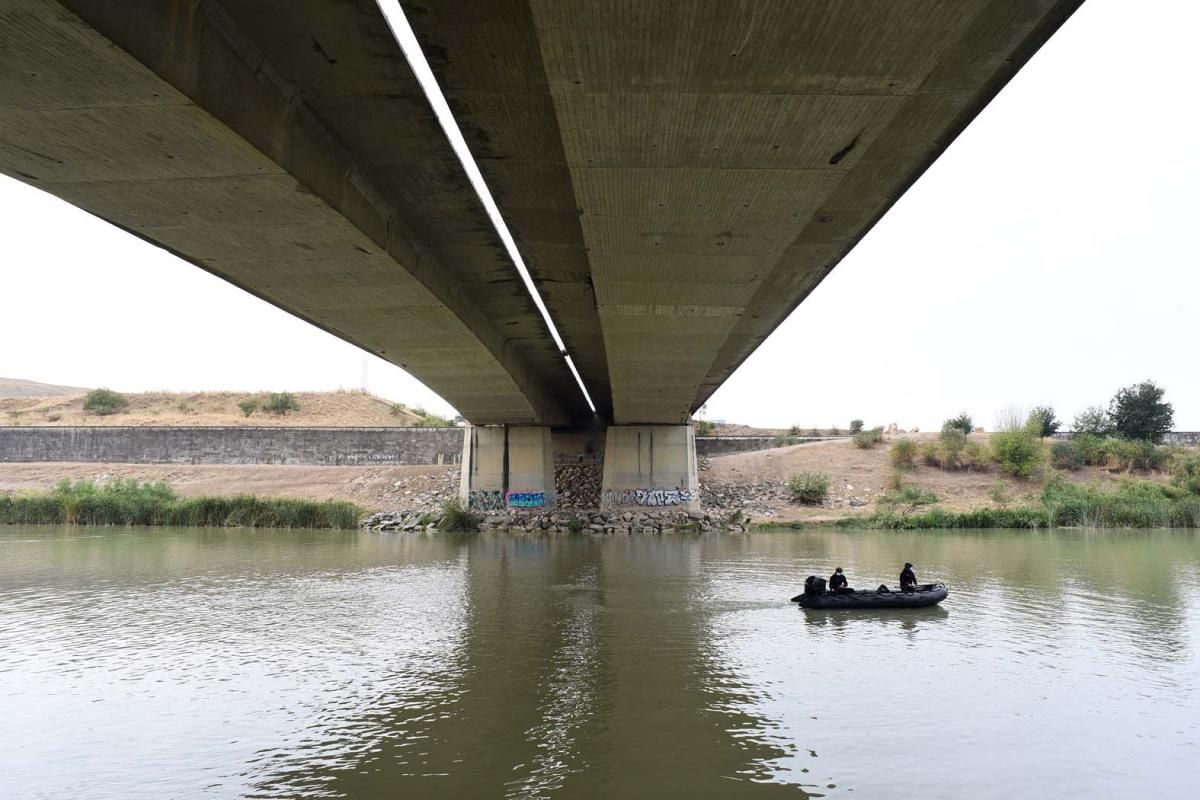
313,176
722,157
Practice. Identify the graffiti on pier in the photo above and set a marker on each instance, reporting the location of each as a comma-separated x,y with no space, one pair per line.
526,499
485,500
647,497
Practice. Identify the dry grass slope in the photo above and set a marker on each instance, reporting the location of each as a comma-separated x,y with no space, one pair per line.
345,408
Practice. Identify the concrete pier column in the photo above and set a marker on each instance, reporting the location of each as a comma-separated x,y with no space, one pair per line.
650,467
507,466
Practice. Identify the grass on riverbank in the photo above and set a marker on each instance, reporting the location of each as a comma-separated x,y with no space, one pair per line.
1136,504
129,502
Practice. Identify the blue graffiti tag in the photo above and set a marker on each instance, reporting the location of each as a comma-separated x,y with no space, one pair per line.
526,499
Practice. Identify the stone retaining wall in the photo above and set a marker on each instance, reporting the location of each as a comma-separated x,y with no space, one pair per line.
246,445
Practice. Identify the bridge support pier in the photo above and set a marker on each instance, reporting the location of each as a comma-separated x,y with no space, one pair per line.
507,466
650,467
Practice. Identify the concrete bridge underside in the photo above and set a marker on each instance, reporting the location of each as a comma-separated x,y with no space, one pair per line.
678,176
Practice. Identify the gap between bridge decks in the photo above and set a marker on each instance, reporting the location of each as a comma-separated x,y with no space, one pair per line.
398,22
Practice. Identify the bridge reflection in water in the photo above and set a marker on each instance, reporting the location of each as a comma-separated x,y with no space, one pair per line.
581,668
178,663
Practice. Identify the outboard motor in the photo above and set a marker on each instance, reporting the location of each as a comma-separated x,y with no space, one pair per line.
814,586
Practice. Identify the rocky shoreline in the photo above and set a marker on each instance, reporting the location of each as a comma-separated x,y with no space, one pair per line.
657,521
726,506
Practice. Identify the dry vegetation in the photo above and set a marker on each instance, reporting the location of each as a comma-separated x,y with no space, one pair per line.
868,474
347,408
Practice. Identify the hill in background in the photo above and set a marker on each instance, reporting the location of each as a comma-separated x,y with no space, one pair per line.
15,387
316,409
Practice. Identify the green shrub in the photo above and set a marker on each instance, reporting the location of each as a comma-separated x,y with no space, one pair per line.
104,402
398,409
282,402
248,406
1185,471
908,495
895,480
931,454
856,425
53,417
1018,452
783,441
975,457
455,518
575,525
1092,450
809,488
705,427
1066,454
953,440
904,454
999,493
868,439
962,423
1136,455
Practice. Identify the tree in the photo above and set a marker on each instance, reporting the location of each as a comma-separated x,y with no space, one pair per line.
856,425
1043,421
705,427
1138,412
105,402
1092,421
962,422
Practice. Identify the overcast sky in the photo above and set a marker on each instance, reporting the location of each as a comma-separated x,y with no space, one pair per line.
1048,258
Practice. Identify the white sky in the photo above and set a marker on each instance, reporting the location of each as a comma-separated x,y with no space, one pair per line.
1049,257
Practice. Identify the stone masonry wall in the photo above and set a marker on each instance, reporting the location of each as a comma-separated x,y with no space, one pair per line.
319,446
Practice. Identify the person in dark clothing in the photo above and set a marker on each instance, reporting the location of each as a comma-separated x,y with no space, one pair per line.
837,582
908,578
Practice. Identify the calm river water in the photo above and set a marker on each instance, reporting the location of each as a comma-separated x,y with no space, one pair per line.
160,664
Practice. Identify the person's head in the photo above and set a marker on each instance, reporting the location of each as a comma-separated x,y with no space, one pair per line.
838,570
907,565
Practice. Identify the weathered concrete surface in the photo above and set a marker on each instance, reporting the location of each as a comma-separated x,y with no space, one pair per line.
285,146
507,466
211,445
650,466
723,157
679,176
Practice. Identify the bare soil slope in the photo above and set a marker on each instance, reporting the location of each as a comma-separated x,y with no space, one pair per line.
345,408
17,387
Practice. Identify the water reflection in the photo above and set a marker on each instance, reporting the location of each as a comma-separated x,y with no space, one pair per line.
303,664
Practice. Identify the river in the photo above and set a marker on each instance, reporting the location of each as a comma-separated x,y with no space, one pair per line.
144,663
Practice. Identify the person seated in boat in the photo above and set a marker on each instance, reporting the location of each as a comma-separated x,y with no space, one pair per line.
838,582
908,578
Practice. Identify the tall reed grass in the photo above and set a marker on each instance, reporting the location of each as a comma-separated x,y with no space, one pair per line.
132,503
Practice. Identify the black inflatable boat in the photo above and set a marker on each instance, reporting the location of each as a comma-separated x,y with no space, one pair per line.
929,594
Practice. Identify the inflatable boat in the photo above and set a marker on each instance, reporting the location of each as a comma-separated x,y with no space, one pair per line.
928,594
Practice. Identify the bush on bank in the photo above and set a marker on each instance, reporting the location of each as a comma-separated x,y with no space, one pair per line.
128,502
936,518
1136,504
809,488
